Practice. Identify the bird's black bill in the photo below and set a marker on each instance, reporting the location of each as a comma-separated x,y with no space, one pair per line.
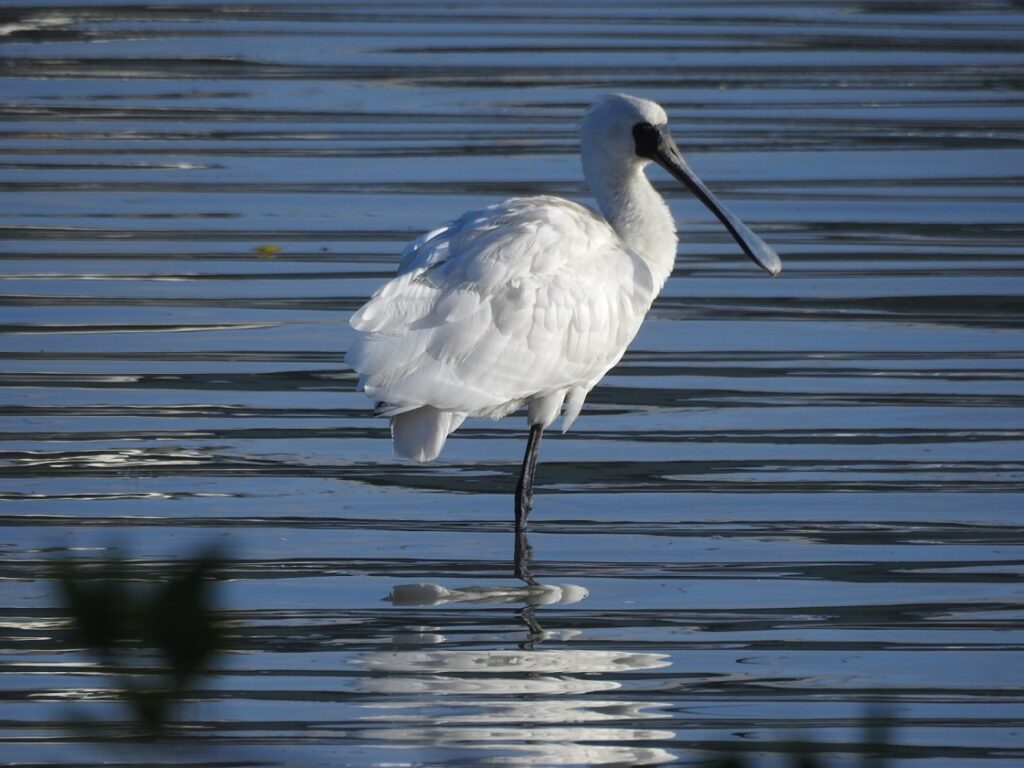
667,155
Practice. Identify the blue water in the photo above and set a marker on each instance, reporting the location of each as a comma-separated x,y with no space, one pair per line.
796,504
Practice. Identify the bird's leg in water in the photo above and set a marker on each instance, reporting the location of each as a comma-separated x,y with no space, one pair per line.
536,631
524,503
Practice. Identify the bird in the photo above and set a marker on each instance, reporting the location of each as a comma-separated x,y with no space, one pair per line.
530,302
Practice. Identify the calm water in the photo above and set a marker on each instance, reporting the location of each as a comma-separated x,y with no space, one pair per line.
795,502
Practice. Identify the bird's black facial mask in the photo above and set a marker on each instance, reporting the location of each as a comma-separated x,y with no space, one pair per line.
654,142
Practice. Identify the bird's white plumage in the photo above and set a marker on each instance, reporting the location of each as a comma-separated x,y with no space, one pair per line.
531,300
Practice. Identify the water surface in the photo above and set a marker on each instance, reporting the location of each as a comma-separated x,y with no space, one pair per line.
795,503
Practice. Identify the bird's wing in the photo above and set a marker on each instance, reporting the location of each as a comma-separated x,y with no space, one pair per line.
523,298
427,249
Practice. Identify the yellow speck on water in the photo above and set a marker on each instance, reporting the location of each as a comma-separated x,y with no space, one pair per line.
267,251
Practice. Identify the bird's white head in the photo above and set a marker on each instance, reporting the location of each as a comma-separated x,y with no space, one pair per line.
620,135
606,135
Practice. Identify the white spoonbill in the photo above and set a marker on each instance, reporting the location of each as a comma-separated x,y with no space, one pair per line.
530,301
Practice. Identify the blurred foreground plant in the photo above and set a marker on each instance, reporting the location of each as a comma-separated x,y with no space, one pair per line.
154,632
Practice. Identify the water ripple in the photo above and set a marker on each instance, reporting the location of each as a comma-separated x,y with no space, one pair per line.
793,502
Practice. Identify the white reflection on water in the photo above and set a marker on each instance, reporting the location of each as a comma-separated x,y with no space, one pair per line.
34,23
523,707
528,594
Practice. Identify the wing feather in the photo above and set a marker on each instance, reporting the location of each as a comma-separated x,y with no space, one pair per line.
521,299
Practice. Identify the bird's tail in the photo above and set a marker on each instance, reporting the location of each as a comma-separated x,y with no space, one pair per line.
419,434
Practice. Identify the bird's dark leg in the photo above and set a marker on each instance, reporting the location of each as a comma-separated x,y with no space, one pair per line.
536,631
524,503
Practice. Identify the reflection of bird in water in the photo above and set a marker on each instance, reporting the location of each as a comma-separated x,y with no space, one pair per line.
436,594
532,707
531,596
531,301
527,705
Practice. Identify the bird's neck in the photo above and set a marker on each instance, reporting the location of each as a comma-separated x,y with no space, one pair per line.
639,216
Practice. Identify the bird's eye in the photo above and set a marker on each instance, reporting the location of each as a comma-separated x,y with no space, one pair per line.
646,137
